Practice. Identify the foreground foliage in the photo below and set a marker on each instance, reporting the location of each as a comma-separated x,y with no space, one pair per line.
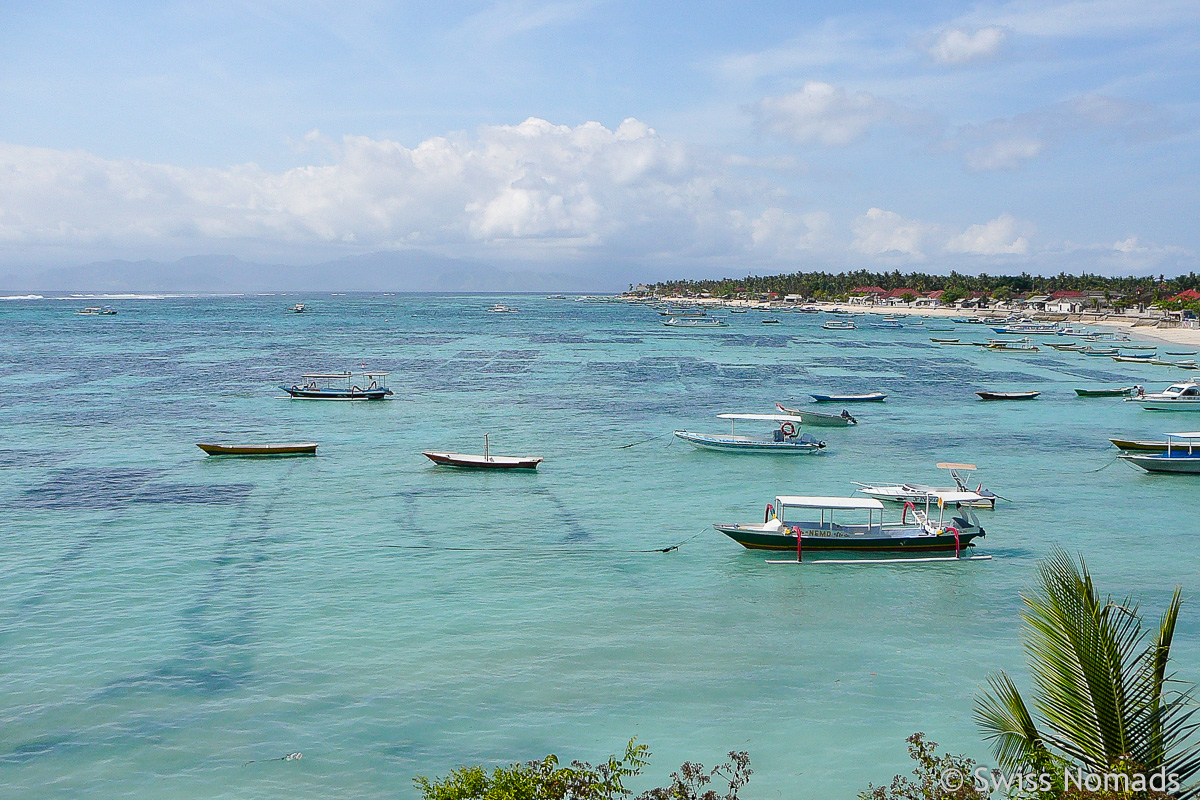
1102,692
928,782
546,780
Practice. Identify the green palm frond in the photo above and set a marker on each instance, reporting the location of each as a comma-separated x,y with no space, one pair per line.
1007,723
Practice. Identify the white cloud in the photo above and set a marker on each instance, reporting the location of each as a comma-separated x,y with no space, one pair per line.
784,233
1005,154
583,185
823,114
880,232
959,46
1001,236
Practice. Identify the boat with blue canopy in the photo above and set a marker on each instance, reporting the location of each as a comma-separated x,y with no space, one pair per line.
1181,456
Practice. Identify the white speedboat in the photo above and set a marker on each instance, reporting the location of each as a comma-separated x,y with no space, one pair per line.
500,308
920,493
1176,397
786,439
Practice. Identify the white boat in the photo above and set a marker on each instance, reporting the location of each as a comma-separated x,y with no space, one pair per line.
786,439
1026,344
485,461
1029,327
838,325
500,308
298,308
920,493
92,311
805,417
695,322
1181,456
1176,397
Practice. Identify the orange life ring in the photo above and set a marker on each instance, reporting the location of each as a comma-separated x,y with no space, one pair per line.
788,429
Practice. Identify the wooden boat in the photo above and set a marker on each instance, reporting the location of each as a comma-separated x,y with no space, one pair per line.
1024,345
1099,351
358,386
695,322
770,322
485,461
1180,352
920,493
1007,395
1182,455
786,526
888,325
944,341
1121,392
301,449
1139,347
1140,445
869,397
1134,359
786,439
842,420
839,325
1069,348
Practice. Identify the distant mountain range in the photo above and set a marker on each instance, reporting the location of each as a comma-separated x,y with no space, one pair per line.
394,271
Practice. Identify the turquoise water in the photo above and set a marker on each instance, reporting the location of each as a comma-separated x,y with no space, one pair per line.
166,617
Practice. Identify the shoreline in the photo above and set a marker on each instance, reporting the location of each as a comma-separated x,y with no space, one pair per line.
1168,336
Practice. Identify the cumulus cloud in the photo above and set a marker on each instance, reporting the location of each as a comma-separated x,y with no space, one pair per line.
880,232
582,185
958,46
824,114
1001,236
783,233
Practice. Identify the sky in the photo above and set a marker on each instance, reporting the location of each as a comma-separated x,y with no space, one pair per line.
688,139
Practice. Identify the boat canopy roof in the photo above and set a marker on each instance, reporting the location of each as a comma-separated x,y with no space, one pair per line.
948,465
861,503
761,417
341,375
1192,435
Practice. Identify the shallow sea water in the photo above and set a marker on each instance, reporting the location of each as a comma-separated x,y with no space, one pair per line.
166,617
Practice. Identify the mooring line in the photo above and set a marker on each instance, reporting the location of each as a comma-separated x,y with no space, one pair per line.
643,441
546,551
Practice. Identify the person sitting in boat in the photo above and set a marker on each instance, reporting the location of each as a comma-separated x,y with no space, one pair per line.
1140,390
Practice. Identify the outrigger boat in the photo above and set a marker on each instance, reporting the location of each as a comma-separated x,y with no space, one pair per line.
918,493
784,531
1025,344
1178,457
842,420
1124,391
695,322
839,325
869,397
360,386
786,440
485,461
1099,351
302,449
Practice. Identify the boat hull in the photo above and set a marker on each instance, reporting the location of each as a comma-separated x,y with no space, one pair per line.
1140,446
1007,395
297,393
873,397
472,461
302,449
1170,405
1103,392
812,418
1189,465
760,540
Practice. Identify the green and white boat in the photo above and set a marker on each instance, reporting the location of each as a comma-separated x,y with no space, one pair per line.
786,440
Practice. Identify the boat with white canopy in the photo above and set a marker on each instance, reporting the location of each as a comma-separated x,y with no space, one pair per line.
1181,456
801,523
329,386
695,322
786,439
1176,397
919,493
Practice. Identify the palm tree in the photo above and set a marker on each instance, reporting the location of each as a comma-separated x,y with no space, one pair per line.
1100,689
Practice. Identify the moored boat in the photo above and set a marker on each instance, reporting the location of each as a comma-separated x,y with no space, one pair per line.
839,325
695,322
485,461
1007,395
1123,391
806,417
919,493
299,308
298,449
868,397
1140,445
328,386
786,439
787,526
1182,455
1176,397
